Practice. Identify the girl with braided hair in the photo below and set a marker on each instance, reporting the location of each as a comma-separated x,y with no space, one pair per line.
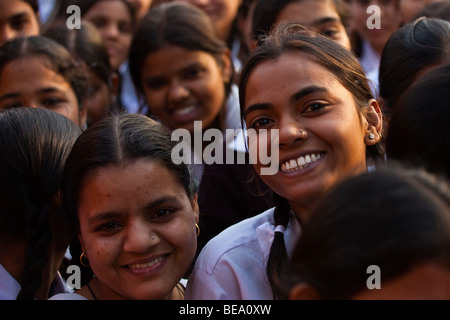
312,97
34,144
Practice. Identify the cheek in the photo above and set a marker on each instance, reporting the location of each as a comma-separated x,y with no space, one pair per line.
102,254
155,101
212,92
183,237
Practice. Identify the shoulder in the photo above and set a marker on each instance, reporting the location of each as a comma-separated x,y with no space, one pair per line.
235,240
68,296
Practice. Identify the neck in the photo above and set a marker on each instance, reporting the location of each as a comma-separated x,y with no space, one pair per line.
12,257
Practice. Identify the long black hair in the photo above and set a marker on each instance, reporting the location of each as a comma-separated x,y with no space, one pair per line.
34,145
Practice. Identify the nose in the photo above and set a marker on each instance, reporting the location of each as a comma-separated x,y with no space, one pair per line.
140,237
291,132
110,31
177,91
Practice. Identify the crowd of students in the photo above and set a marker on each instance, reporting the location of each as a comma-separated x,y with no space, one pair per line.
358,118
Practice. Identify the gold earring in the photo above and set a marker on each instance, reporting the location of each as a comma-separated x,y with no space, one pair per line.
198,229
81,259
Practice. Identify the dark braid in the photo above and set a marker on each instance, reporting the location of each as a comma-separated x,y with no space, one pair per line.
36,257
278,258
34,144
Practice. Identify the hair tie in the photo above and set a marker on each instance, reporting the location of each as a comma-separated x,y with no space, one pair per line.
280,228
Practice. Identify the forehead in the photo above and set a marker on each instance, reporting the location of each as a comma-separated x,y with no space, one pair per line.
9,8
289,73
308,12
112,9
144,175
30,72
172,58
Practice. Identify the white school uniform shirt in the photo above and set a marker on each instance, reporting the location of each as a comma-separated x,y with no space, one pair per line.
232,265
10,288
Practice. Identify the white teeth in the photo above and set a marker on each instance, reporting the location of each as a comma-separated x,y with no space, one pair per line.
293,164
303,161
308,159
145,265
185,111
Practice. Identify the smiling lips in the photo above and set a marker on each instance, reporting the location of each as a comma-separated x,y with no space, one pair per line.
300,163
145,265
185,111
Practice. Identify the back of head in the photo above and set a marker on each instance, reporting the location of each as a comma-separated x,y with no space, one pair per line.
419,127
391,218
34,145
408,52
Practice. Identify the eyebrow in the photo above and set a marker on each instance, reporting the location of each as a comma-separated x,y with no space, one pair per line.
307,91
295,97
19,15
115,214
326,20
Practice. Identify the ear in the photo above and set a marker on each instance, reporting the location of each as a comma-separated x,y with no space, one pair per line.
374,127
304,291
227,67
83,118
195,208
80,239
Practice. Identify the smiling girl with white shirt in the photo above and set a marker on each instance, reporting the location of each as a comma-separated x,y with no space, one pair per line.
314,92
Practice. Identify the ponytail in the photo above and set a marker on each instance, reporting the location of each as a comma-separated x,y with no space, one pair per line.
36,256
278,259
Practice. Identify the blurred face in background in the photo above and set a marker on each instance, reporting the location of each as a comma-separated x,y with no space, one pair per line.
221,12
319,14
31,83
112,18
17,18
141,7
389,20
410,8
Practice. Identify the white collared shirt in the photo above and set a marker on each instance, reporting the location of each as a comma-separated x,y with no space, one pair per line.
232,265
10,288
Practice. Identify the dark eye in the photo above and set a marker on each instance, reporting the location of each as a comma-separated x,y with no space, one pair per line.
315,107
192,73
161,213
109,226
125,27
12,106
50,102
155,83
259,123
19,24
330,33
